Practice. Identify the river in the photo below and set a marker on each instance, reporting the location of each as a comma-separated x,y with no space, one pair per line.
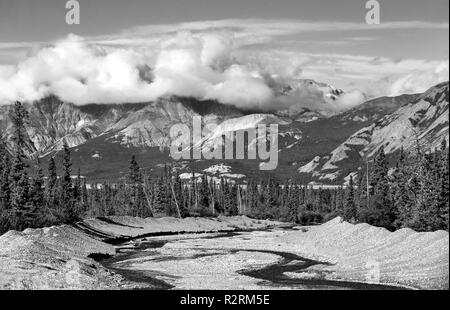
243,260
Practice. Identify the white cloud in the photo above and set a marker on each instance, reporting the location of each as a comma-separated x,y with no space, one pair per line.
248,29
211,60
185,64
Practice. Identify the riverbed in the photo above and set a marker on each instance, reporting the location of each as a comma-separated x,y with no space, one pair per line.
221,253
233,260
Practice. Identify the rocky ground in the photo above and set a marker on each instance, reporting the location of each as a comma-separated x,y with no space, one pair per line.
53,258
58,257
333,255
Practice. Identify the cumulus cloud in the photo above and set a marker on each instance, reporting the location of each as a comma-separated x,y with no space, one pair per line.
226,61
76,72
419,81
184,65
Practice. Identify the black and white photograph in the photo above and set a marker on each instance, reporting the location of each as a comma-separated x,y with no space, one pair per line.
221,151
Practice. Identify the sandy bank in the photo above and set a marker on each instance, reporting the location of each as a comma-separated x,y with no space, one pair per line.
123,227
57,257
53,258
362,252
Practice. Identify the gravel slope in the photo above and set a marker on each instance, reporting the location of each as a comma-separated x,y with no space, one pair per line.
53,258
405,257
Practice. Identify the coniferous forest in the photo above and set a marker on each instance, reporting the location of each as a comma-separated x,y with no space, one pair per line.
414,193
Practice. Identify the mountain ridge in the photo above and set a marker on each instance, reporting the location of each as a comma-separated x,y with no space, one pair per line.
422,123
94,130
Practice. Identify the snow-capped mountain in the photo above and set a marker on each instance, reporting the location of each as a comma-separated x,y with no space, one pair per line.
307,99
328,92
422,123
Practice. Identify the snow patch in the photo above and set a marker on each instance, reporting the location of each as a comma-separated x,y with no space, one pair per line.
219,168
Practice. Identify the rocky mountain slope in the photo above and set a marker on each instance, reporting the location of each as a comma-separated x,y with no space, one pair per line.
103,137
421,123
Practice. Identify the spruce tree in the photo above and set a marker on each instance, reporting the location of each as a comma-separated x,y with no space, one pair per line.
271,209
230,199
69,209
77,187
50,186
204,200
5,166
292,203
381,211
37,198
401,199
5,191
161,198
443,188
350,207
18,178
135,179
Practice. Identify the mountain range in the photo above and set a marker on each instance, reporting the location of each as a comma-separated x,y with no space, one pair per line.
315,144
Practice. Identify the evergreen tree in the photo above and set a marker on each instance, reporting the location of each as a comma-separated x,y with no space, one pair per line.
69,209
5,192
381,211
84,195
66,180
18,178
442,200
139,203
161,198
134,172
350,207
77,187
50,186
204,200
252,197
361,193
271,206
230,201
37,198
400,193
292,203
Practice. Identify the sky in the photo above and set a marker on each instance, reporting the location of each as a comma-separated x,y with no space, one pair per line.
234,51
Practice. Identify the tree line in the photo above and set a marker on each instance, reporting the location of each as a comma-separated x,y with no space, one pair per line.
412,194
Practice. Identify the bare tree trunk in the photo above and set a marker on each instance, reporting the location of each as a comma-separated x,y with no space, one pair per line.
149,202
175,199
239,199
211,192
